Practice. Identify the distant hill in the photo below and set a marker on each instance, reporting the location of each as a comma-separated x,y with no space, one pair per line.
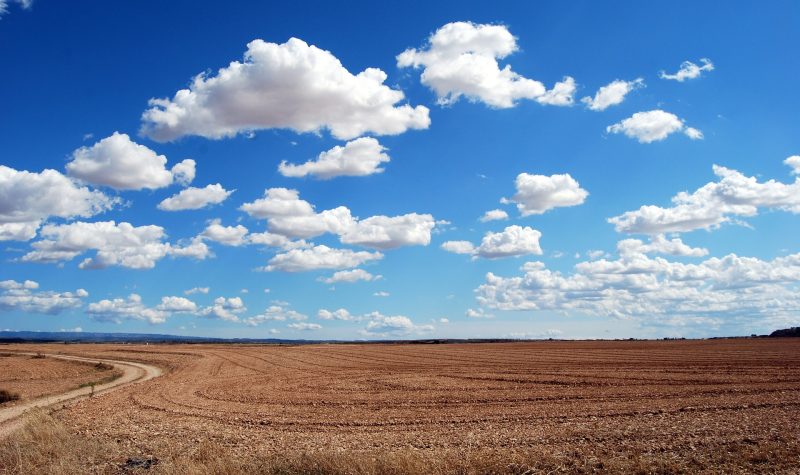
787,332
90,337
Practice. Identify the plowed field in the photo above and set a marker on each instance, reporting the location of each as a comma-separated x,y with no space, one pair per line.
692,405
31,377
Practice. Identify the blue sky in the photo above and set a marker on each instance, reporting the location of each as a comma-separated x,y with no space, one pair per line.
413,120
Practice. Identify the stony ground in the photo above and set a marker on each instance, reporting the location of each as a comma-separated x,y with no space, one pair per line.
719,405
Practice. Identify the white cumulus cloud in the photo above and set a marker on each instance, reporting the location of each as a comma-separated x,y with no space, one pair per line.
494,215
135,247
537,194
27,199
460,60
511,242
195,198
349,276
288,86
733,195
120,163
611,94
360,157
653,126
689,70
319,257
26,297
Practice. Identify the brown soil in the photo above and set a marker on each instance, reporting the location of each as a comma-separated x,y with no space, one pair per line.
31,377
719,405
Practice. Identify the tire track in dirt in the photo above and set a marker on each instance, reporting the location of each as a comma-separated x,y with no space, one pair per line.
11,418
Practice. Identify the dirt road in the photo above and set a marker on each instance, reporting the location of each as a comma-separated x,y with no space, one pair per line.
10,419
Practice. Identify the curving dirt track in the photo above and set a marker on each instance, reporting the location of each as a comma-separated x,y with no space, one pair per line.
712,403
10,417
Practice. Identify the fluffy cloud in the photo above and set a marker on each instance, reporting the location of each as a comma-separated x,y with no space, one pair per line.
360,157
659,245
224,309
653,126
122,164
611,94
740,290
689,70
460,59
512,241
537,194
197,290
794,162
292,217
340,314
319,257
273,313
477,313
385,232
115,244
349,276
494,215
25,297
132,308
228,235
289,86
195,198
715,203
380,325
27,199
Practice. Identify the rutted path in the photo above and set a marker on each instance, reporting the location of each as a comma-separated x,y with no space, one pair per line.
10,417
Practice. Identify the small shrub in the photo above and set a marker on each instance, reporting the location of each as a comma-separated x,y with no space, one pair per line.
37,356
6,396
100,366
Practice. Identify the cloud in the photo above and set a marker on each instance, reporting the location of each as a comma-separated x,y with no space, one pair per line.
360,157
292,217
287,86
384,232
26,4
273,313
740,290
380,293
460,59
511,242
195,198
224,309
350,276
304,326
340,314
479,313
319,257
459,247
611,94
115,244
653,126
380,325
494,215
733,195
197,290
659,245
688,70
120,163
794,162
25,297
537,194
228,235
118,309
27,199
